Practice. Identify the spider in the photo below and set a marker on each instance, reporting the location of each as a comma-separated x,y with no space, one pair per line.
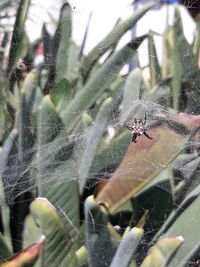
138,129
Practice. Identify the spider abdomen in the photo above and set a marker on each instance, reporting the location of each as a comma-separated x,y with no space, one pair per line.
138,130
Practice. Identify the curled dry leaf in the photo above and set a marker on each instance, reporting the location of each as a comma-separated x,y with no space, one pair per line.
147,158
26,256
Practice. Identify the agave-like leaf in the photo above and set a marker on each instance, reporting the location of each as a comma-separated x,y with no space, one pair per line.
131,90
93,139
4,45
65,29
9,144
127,247
111,39
95,135
110,154
188,65
15,160
31,232
30,89
55,172
153,62
191,180
47,41
196,46
98,239
97,84
163,178
18,37
161,253
58,249
61,188
49,122
5,251
61,94
57,51
192,174
176,213
21,178
175,64
6,246
157,193
73,67
186,225
5,4
25,139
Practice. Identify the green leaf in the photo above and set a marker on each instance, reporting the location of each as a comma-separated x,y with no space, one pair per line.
188,64
31,232
187,226
61,94
196,46
111,39
176,213
127,247
56,176
82,257
2,122
93,139
176,65
190,173
95,135
98,239
47,42
18,37
5,4
97,84
49,123
157,193
64,29
153,62
6,242
61,188
162,180
110,154
73,66
30,89
8,146
23,124
58,246
161,253
37,100
5,251
20,173
132,90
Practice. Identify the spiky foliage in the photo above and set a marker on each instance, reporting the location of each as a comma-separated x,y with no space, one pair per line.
56,147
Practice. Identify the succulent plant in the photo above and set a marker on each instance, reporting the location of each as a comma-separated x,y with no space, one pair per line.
63,139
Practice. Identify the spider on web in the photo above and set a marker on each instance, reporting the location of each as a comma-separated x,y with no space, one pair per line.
138,129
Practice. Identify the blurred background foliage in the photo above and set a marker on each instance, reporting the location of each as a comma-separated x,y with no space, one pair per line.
75,191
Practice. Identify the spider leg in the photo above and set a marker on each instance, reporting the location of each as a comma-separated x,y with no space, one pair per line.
145,119
146,134
128,127
134,138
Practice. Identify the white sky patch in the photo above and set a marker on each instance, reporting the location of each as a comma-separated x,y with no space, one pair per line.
105,15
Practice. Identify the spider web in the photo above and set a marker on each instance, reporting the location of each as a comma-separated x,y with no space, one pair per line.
15,179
